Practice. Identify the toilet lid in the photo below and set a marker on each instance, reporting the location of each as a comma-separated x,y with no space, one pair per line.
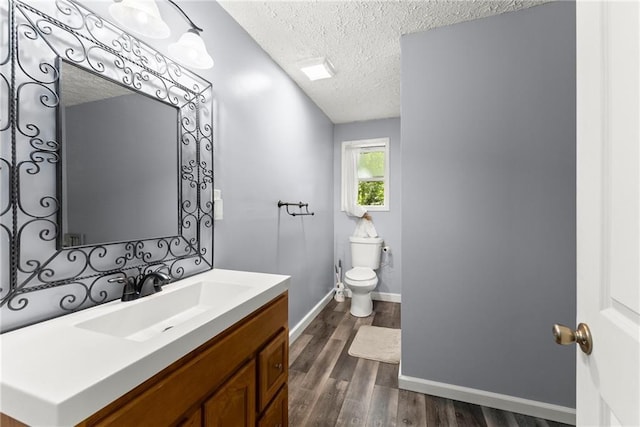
361,273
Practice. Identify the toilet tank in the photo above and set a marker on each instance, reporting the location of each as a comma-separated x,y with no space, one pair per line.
365,252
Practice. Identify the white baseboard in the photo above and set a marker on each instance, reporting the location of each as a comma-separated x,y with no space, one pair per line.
296,331
378,296
504,402
385,296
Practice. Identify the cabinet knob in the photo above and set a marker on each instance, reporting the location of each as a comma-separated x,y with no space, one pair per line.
278,366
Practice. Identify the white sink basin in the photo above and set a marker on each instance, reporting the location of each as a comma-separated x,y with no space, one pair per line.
152,315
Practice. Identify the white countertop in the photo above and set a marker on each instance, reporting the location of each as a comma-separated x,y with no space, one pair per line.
55,373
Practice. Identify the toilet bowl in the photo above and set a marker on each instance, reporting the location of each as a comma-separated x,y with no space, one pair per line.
362,279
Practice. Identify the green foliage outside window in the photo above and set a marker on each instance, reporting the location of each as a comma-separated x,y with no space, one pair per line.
370,189
371,164
371,193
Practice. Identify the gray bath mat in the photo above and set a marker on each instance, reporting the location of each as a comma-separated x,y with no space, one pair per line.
376,343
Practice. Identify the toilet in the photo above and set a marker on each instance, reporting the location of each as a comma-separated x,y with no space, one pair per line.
361,279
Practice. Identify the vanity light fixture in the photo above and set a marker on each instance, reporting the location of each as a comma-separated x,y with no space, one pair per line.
143,17
190,50
317,69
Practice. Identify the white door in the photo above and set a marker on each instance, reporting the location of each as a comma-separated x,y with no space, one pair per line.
608,193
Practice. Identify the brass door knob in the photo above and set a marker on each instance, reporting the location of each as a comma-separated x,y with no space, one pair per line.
581,336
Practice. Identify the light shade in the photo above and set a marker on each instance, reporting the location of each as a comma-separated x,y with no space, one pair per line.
190,50
141,17
317,69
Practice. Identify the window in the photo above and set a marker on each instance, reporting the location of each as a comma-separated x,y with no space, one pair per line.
365,175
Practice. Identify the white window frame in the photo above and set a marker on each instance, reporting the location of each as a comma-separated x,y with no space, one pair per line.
363,145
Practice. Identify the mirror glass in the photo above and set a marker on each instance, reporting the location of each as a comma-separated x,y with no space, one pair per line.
120,152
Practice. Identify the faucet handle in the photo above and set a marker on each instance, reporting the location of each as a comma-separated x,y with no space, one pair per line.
129,290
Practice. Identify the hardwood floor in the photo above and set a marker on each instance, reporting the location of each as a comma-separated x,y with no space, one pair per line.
327,387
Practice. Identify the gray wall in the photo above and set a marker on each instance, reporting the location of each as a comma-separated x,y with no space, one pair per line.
488,162
121,174
387,223
271,143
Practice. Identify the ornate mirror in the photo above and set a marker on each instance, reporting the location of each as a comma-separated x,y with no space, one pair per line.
105,162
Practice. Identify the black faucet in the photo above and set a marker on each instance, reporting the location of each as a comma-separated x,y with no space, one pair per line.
133,288
159,279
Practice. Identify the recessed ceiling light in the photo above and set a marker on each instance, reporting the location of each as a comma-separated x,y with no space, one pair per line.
317,69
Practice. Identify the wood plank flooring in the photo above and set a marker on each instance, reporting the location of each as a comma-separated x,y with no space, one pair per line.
327,387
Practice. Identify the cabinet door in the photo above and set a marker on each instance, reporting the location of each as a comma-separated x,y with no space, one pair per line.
277,414
234,404
273,368
192,420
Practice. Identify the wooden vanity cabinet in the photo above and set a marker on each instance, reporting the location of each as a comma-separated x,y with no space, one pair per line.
238,378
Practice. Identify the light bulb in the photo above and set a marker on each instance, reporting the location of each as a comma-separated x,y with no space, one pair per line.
191,51
140,17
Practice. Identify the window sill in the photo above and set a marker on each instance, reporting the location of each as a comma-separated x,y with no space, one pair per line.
376,208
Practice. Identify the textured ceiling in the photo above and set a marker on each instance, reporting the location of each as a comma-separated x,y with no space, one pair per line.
361,39
79,86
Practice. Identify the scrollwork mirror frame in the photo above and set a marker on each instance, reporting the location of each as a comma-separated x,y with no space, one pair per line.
40,279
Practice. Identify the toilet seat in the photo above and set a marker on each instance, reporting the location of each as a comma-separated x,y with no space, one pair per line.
360,273
361,276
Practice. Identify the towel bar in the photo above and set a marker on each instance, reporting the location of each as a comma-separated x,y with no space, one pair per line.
300,205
